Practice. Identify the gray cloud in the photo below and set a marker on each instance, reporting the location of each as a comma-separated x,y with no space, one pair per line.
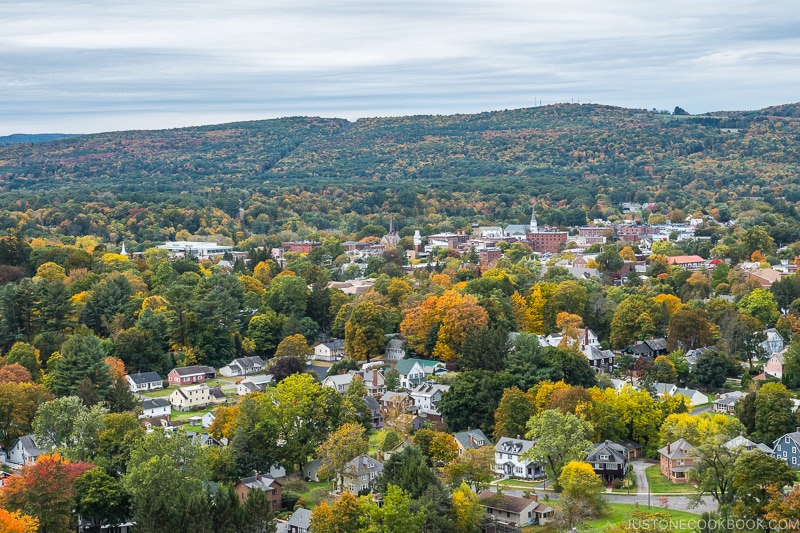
94,66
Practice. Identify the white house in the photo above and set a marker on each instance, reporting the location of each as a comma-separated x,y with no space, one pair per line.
339,382
508,459
144,381
243,366
208,419
395,350
416,371
426,398
695,397
190,398
24,451
254,384
330,350
156,407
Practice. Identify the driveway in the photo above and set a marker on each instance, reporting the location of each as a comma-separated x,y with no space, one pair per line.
642,486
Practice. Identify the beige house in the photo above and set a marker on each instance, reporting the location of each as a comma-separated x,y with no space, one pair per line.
191,398
515,511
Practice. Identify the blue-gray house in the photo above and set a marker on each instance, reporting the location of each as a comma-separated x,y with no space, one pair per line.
787,448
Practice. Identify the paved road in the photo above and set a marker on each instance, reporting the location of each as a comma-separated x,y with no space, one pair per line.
681,503
639,467
700,410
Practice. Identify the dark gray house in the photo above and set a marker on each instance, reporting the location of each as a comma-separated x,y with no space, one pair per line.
651,348
609,460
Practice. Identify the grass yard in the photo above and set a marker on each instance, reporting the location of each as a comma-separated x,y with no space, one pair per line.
312,485
621,513
661,485
160,393
186,415
520,484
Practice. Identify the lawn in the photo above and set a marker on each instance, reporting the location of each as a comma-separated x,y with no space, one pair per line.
520,483
620,513
310,503
186,415
157,393
661,485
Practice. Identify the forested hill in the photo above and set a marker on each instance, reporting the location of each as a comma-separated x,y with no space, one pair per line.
569,153
18,138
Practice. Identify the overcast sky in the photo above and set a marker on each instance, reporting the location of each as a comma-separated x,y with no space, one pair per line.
101,65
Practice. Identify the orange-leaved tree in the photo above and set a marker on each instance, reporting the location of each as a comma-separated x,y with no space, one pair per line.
45,490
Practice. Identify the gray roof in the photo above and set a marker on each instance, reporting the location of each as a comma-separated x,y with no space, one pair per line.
513,446
617,451
663,388
657,344
29,445
155,403
595,353
301,518
216,392
259,482
363,464
192,370
686,392
319,370
141,378
248,363
469,439
372,403
335,344
795,436
679,449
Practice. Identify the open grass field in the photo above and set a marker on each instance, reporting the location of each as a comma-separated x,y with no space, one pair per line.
661,485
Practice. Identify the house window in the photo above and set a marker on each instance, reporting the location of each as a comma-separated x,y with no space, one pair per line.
604,457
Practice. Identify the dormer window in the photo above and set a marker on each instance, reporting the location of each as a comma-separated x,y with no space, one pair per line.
604,457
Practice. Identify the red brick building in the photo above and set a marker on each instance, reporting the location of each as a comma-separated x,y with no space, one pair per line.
547,241
302,247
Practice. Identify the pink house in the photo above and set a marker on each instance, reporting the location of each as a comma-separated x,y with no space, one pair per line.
191,374
774,366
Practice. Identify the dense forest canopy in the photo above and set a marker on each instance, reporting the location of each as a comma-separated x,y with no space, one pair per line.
310,174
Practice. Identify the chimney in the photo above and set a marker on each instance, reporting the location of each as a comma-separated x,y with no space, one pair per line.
586,340
469,428
798,429
669,448
533,497
374,377
518,437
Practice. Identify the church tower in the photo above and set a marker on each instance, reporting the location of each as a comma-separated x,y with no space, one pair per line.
534,227
123,252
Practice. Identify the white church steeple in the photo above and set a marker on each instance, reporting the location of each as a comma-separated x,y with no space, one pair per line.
534,227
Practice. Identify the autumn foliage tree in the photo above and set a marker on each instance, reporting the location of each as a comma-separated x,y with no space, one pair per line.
45,490
16,522
440,325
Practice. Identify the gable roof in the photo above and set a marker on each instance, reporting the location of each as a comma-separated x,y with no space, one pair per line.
141,378
469,439
657,344
687,392
513,446
429,389
193,370
319,370
372,403
27,443
155,403
335,344
795,436
404,366
680,449
361,465
617,451
259,482
247,363
684,259
301,518
593,353
216,392
505,502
